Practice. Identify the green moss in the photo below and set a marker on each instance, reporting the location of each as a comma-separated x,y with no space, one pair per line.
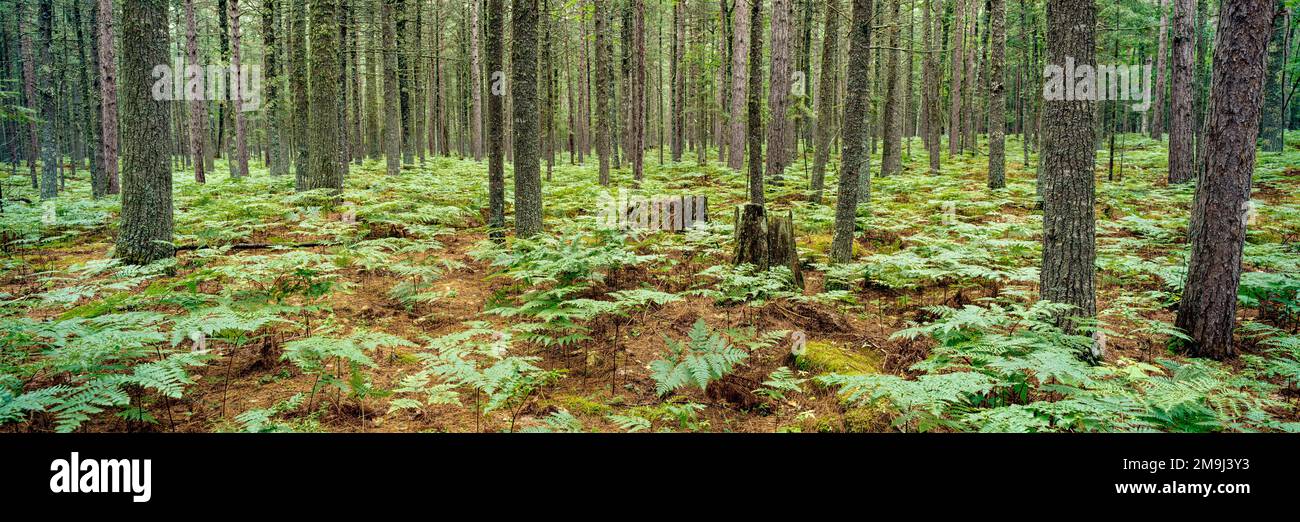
579,404
867,419
828,357
97,308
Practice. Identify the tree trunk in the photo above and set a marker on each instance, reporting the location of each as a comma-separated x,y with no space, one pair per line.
45,84
198,122
855,131
145,232
781,247
826,98
496,13
933,113
323,168
997,96
956,64
298,80
1272,126
237,81
523,83
755,125
637,98
892,135
778,97
1162,65
739,83
1208,308
475,84
392,108
108,93
1069,150
1181,119
751,234
604,84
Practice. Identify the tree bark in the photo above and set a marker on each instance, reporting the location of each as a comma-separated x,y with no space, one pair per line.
827,93
475,84
1162,66
604,84
956,64
198,121
739,83
1069,150
496,13
755,125
237,80
1208,308
778,97
145,232
108,93
997,94
892,135
323,168
1272,124
298,80
392,89
45,86
523,84
1181,89
855,131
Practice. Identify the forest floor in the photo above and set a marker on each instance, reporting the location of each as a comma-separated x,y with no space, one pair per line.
264,321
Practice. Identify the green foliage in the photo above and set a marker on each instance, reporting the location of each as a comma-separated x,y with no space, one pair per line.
706,356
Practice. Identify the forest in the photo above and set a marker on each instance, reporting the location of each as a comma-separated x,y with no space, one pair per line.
759,216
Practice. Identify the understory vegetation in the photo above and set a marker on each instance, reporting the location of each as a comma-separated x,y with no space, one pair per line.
390,309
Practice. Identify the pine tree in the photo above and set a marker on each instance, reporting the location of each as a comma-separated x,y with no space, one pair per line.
856,107
523,84
323,168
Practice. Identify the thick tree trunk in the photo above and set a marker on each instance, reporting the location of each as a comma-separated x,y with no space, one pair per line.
108,93
1069,150
739,83
826,98
323,168
98,183
751,235
496,14
274,109
855,131
145,233
1208,308
523,83
997,95
1181,89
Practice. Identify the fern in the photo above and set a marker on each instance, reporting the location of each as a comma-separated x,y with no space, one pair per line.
705,357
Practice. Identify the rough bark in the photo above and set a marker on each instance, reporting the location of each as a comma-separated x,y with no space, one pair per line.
956,64
145,232
933,21
604,80
198,124
1069,150
279,165
323,168
523,84
241,136
392,110
1207,312
755,108
298,81
637,96
997,94
29,93
108,93
857,98
739,83
1157,125
751,236
892,135
475,84
1272,124
496,121
778,96
1181,118
45,89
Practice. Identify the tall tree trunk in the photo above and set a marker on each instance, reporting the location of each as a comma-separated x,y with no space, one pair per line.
298,80
739,83
108,93
855,131
279,165
827,93
496,14
145,232
198,119
323,168
1272,124
997,96
604,85
931,100
679,80
637,101
1208,308
1069,150
476,84
1157,109
1181,90
237,80
90,61
892,135
46,91
375,82
778,96
956,65
392,109
755,125
29,92
523,84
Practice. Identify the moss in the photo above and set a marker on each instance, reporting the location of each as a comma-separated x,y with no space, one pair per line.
867,419
828,357
97,308
580,404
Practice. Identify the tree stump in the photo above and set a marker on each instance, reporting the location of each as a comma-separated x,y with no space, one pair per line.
752,236
781,246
